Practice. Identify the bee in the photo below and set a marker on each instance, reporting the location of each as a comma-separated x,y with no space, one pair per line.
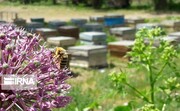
61,57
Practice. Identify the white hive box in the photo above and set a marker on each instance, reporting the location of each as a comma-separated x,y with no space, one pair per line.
175,34
175,25
61,41
127,33
79,21
46,32
90,27
147,25
133,21
96,37
88,56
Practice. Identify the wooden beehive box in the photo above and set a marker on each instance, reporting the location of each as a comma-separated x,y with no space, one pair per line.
55,24
20,22
175,25
40,20
99,19
61,41
134,21
78,21
46,32
120,48
69,31
126,33
95,38
88,56
148,25
89,27
175,34
33,26
114,20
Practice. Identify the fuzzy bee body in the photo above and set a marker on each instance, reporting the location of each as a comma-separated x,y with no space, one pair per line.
61,57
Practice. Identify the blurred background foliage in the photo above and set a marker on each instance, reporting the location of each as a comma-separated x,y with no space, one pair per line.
108,4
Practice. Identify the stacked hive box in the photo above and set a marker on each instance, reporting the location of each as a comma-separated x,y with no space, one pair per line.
126,33
55,24
88,56
120,48
79,22
61,41
175,34
99,19
93,38
147,25
175,25
40,20
114,20
69,31
20,22
89,27
134,21
46,32
33,26
173,40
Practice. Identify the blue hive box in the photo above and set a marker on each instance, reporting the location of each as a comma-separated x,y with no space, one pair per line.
114,20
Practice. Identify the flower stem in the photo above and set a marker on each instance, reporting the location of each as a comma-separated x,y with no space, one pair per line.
138,92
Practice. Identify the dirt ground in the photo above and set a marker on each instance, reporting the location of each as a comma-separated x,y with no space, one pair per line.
66,13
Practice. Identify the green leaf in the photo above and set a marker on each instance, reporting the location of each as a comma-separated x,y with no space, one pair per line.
122,108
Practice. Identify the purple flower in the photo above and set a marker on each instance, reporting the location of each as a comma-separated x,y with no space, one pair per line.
22,53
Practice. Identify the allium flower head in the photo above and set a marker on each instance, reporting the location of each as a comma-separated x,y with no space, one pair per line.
21,53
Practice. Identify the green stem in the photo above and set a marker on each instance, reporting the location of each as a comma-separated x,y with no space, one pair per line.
159,73
138,92
151,83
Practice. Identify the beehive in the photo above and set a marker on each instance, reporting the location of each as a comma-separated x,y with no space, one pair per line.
88,56
95,38
61,41
79,22
46,32
114,20
40,20
174,25
55,24
89,27
148,25
120,48
134,21
69,31
33,26
126,33
99,19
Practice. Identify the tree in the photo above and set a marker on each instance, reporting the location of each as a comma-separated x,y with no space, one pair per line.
160,4
54,2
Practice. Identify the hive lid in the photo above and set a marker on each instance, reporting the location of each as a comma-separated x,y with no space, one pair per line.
92,36
123,43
